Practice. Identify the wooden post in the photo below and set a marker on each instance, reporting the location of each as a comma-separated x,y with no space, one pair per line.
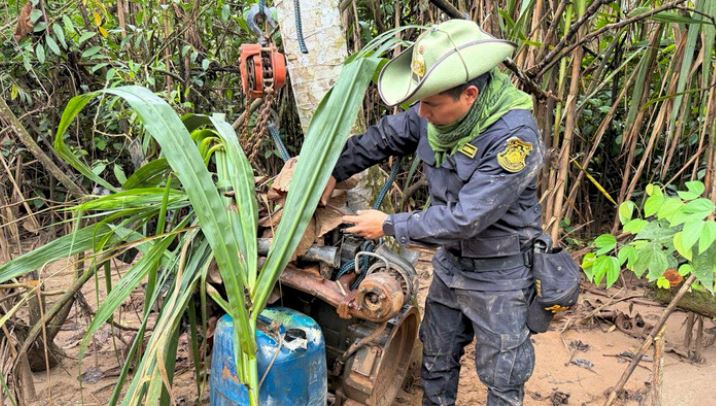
658,373
314,73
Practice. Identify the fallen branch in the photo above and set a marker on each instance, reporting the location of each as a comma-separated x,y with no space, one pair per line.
649,340
54,310
658,374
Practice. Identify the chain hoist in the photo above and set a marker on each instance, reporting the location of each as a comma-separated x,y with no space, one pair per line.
261,65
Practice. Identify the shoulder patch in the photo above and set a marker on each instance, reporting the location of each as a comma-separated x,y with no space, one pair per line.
468,150
512,159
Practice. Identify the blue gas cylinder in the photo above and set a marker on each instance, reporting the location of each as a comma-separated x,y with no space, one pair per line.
293,349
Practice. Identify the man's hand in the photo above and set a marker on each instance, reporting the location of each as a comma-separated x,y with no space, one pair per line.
367,223
326,196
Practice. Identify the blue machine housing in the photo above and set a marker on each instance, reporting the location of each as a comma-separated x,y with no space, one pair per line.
297,375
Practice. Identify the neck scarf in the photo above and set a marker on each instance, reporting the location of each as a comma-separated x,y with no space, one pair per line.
495,100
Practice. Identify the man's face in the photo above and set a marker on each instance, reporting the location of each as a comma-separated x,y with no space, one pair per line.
443,109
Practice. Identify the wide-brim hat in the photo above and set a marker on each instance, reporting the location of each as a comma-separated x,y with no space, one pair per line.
444,56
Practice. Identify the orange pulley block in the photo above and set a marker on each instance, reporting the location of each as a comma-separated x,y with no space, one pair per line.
261,67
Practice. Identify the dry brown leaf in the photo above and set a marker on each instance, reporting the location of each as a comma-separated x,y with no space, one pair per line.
24,26
30,226
329,217
673,277
283,179
349,183
271,220
309,237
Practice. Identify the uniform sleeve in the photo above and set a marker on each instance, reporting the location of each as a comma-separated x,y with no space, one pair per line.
396,134
487,195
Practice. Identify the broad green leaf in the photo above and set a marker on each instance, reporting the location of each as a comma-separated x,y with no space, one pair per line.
67,22
98,67
40,53
98,167
680,247
671,205
35,15
52,45
599,269
696,187
613,271
686,196
119,174
59,33
85,36
606,266
663,283
700,207
588,259
91,51
653,190
694,210
635,226
195,121
704,268
658,263
605,243
653,231
626,254
653,204
691,233
708,235
641,263
686,269
626,210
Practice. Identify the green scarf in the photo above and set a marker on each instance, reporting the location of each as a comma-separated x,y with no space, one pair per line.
499,97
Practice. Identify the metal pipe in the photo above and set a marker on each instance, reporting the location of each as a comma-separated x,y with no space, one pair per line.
378,298
316,253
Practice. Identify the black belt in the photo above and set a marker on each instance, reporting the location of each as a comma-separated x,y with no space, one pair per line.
492,264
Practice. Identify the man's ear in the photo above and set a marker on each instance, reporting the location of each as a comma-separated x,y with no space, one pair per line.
471,93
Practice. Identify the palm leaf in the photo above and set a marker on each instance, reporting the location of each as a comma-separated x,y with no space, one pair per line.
79,241
324,142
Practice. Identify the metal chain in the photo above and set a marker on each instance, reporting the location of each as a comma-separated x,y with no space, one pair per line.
260,127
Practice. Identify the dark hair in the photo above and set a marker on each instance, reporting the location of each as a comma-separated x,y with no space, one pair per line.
480,82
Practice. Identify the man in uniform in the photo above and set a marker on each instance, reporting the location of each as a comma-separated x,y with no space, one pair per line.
481,153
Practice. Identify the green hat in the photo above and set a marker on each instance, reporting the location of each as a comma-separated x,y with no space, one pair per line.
444,56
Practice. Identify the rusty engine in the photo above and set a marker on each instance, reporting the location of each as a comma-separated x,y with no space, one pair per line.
362,295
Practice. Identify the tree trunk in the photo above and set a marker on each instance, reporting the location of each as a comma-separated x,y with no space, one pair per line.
314,73
702,303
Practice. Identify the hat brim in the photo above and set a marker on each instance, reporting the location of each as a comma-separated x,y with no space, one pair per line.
396,84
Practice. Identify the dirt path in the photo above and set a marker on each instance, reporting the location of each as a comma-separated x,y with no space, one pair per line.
555,381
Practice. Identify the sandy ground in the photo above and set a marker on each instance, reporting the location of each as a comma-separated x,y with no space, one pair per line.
555,381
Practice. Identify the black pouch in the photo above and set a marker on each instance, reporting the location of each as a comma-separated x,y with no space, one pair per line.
556,277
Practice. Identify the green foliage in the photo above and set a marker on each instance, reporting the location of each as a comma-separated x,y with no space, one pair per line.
676,232
228,225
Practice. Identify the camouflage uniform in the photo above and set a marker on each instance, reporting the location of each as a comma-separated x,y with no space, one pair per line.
484,216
